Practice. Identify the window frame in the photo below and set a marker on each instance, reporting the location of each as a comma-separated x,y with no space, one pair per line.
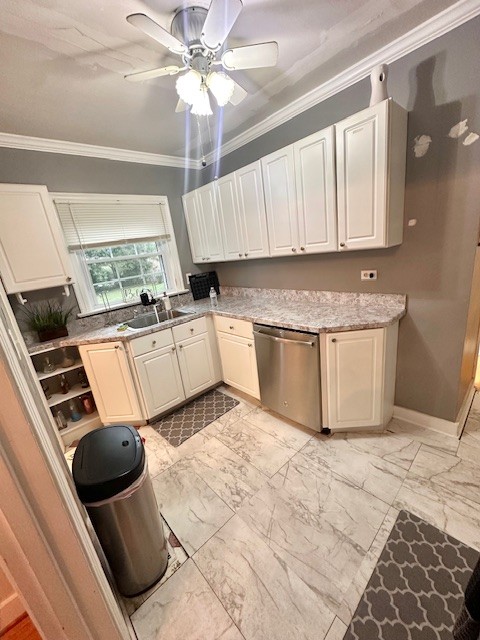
83,286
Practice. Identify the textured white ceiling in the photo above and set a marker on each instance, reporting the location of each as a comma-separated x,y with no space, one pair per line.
62,65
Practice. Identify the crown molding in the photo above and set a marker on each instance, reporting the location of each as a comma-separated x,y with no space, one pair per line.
438,25
15,141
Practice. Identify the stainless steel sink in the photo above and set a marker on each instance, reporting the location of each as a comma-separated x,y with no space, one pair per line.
149,319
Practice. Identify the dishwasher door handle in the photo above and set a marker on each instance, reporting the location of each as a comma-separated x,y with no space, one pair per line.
284,340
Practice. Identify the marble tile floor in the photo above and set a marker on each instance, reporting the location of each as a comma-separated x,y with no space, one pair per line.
283,527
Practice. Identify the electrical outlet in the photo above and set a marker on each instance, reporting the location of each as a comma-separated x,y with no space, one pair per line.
370,274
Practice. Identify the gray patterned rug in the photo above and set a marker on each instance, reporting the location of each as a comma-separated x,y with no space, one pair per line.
416,590
183,423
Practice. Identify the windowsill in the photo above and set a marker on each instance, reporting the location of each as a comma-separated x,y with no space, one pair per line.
125,305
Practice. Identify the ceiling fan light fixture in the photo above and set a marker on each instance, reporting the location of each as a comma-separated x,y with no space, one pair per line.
201,105
188,86
222,87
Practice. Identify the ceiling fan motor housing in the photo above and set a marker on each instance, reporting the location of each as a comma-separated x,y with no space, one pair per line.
187,25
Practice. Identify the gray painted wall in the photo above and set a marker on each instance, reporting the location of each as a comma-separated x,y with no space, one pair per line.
438,84
76,174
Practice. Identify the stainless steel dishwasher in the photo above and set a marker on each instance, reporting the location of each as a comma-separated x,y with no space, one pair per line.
289,373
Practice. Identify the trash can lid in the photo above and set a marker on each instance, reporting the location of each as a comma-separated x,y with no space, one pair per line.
107,461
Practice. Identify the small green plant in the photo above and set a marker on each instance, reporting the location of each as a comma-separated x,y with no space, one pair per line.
47,315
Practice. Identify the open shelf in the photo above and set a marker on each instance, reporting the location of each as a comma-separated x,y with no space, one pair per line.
75,391
85,421
59,371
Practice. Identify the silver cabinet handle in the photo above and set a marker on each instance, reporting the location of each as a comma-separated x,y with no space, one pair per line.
342,244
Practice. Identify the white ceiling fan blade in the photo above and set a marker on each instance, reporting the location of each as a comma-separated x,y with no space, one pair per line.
181,106
253,56
139,76
220,19
238,94
155,31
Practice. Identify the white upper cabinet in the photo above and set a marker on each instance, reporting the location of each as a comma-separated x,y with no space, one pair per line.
203,225
371,148
229,216
33,254
281,201
251,205
316,195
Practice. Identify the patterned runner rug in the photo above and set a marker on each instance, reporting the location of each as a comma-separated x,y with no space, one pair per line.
195,415
416,590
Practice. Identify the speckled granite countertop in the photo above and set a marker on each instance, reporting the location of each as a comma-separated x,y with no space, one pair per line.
315,312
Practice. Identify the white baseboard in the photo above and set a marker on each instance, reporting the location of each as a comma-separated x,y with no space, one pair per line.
10,609
453,429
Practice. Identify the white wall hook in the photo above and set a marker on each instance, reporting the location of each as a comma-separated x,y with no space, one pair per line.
20,298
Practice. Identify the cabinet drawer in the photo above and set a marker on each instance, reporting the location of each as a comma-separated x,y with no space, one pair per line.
189,329
234,327
156,340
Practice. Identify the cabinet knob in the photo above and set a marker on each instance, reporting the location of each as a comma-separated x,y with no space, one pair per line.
250,344
246,255
173,348
334,339
68,279
294,250
192,329
180,346
302,248
117,346
231,327
342,244
154,342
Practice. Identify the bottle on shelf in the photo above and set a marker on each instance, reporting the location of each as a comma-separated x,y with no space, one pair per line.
75,414
82,378
88,403
46,390
48,366
67,361
213,297
64,386
60,419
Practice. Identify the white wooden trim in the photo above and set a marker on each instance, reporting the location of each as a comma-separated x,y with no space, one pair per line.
10,610
438,25
16,141
439,425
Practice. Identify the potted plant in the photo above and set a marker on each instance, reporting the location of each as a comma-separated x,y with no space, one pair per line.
49,319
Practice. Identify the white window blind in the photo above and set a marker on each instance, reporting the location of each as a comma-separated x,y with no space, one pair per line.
108,222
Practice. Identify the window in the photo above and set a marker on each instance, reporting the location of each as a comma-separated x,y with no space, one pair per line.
119,246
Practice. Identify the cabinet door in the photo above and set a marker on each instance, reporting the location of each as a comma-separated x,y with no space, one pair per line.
227,204
196,365
33,254
281,202
251,204
194,226
160,380
111,381
239,363
353,370
362,178
316,192
211,226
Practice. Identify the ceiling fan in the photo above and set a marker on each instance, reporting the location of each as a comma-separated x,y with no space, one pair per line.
198,35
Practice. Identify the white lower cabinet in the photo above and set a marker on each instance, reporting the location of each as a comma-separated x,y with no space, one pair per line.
160,380
196,365
239,362
112,384
358,377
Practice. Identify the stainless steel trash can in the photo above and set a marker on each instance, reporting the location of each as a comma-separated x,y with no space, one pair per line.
112,481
